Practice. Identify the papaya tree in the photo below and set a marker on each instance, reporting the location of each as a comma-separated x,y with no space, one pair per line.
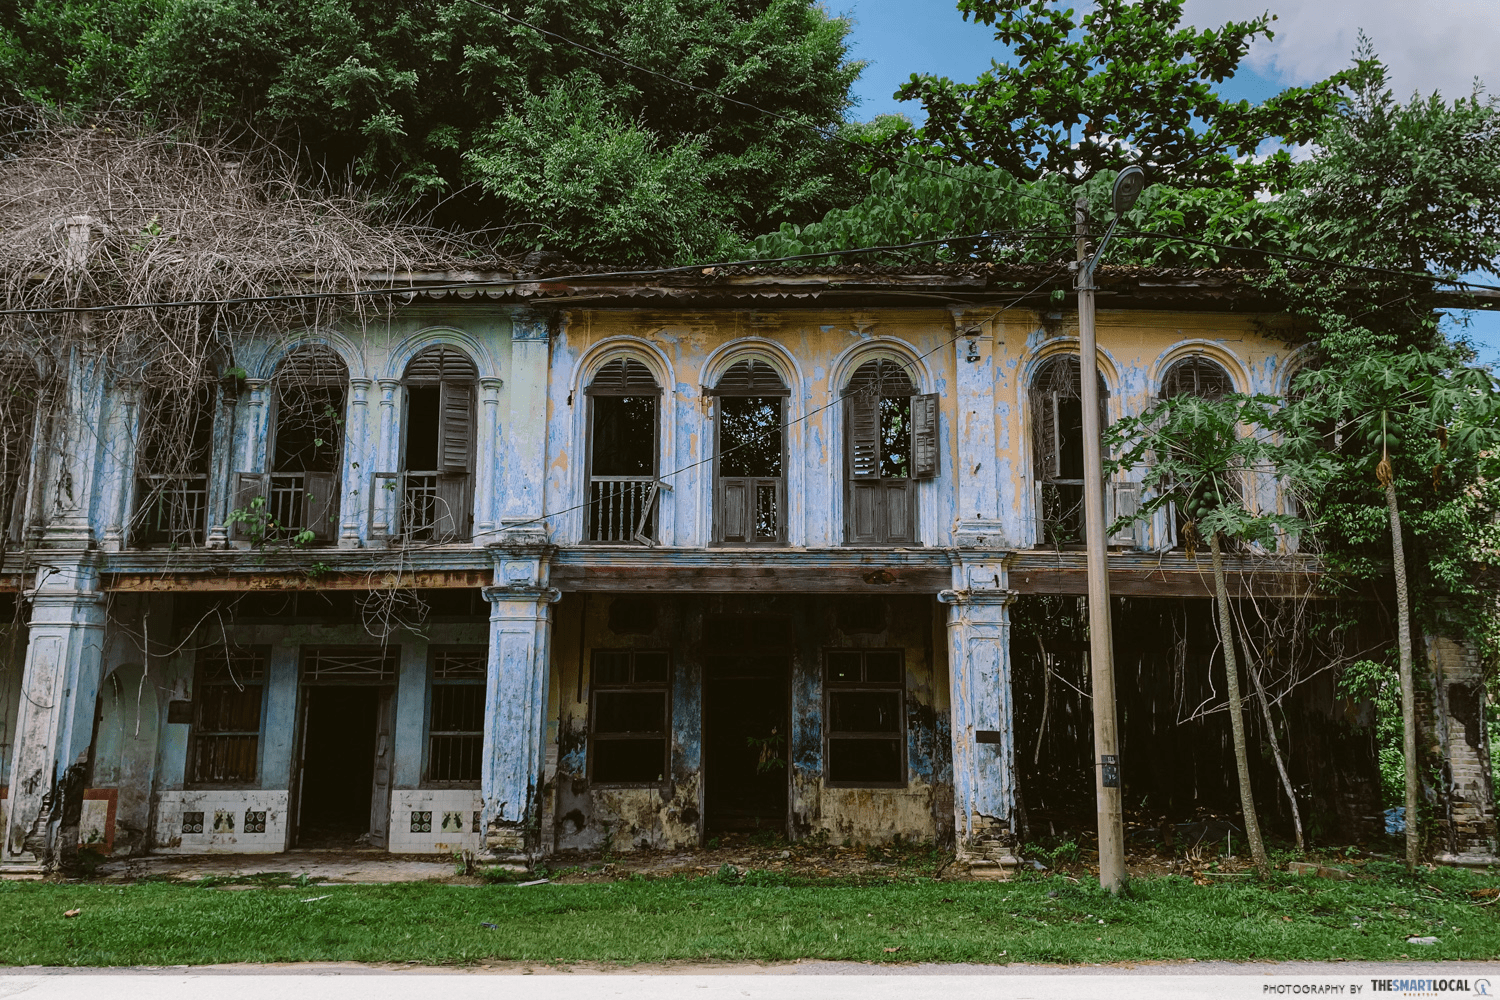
1411,427
1203,457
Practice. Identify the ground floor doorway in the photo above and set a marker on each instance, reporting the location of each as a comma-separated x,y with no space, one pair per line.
344,773
745,742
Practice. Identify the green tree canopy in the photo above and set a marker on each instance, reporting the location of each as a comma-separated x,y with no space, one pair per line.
439,102
1125,82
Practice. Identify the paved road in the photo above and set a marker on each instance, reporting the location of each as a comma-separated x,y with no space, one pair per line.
795,981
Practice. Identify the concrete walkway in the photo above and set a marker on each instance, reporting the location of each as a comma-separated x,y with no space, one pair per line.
348,867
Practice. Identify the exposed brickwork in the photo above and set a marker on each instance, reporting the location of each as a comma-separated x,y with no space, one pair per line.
1454,739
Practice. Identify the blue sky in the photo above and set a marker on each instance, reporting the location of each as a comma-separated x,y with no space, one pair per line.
901,37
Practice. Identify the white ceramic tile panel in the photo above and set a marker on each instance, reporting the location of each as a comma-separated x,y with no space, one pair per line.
445,821
251,821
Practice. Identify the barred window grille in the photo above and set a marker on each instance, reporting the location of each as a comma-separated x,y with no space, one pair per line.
225,738
332,664
455,718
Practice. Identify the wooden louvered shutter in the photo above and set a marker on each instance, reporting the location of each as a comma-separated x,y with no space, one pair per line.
1049,441
321,509
864,434
1103,422
455,442
450,519
248,486
924,436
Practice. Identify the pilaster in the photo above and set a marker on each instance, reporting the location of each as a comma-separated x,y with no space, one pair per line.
356,476
976,476
524,444
69,525
514,758
491,433
54,726
385,492
1458,742
982,713
119,456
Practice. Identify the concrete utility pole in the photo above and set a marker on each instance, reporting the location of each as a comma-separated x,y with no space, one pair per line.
1101,636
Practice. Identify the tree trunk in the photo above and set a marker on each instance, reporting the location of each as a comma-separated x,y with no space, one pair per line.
1286,779
1236,709
1408,686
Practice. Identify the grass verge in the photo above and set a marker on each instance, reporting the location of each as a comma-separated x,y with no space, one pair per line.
759,916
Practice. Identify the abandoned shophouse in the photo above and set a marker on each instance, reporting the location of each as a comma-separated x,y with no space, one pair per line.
568,563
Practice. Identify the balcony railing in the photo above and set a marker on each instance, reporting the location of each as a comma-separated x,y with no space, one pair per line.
171,510
421,507
622,508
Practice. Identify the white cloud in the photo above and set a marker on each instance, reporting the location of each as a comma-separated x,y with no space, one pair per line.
1427,44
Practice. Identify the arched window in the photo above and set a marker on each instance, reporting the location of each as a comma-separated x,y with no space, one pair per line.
1196,376
172,458
20,396
438,449
300,491
750,461
1204,378
622,412
890,442
1057,448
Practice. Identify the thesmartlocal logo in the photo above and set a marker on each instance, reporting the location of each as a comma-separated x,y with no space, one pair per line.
1432,987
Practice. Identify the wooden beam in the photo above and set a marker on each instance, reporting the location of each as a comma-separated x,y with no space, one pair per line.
159,583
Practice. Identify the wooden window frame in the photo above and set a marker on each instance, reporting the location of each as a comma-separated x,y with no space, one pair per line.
429,734
196,734
664,688
831,687
779,483
453,490
649,527
863,448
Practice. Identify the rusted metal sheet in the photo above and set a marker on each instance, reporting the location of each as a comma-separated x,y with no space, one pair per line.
156,583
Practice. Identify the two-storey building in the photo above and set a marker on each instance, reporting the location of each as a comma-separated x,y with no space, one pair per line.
569,562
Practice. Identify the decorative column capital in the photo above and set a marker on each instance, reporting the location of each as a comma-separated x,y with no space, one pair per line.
388,387
490,386
986,598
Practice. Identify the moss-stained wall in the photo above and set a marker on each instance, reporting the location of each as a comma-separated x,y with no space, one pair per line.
671,813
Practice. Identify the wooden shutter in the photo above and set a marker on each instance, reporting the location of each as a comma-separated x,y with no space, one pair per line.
450,521
1125,500
897,496
1049,436
864,434
320,507
864,512
924,436
736,517
247,486
455,442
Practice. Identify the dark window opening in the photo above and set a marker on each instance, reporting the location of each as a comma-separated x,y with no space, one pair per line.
629,717
1057,449
866,691
623,489
890,441
1203,378
224,746
172,457
20,396
436,481
455,717
750,494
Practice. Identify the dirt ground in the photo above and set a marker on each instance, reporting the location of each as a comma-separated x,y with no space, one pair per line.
807,859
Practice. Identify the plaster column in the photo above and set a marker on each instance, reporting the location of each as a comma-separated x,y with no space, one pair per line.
515,711
524,445
976,476
490,438
69,525
222,482
356,451
387,491
982,715
255,427
55,725
119,463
